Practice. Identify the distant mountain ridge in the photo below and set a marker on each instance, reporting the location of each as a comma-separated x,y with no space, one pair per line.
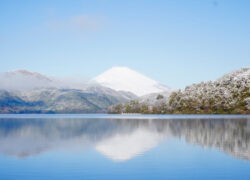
53,100
27,73
23,91
24,80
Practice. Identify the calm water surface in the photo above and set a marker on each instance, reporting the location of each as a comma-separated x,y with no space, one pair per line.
124,147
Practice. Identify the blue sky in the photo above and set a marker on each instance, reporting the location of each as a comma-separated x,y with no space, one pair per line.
176,42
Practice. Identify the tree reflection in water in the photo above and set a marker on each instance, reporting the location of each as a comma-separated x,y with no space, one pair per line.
121,139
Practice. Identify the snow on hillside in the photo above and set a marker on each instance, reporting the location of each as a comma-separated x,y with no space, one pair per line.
125,79
228,94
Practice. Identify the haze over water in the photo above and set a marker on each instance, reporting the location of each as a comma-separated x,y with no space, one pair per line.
124,147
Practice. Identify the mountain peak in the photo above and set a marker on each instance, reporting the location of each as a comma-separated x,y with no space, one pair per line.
23,80
126,79
120,68
26,73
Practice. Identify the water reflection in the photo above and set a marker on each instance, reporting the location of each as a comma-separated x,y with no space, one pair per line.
121,139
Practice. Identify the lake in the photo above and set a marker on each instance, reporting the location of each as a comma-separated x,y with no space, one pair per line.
101,146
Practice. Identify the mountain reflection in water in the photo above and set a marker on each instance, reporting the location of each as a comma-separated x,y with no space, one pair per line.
121,139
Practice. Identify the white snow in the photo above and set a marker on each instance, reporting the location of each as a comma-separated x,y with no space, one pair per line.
125,79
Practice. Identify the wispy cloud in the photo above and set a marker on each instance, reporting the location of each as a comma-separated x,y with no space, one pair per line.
85,22
82,22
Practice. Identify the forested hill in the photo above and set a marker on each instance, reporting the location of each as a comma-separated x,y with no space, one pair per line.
229,94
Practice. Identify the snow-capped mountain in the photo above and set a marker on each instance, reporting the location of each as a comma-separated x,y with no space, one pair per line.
125,79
